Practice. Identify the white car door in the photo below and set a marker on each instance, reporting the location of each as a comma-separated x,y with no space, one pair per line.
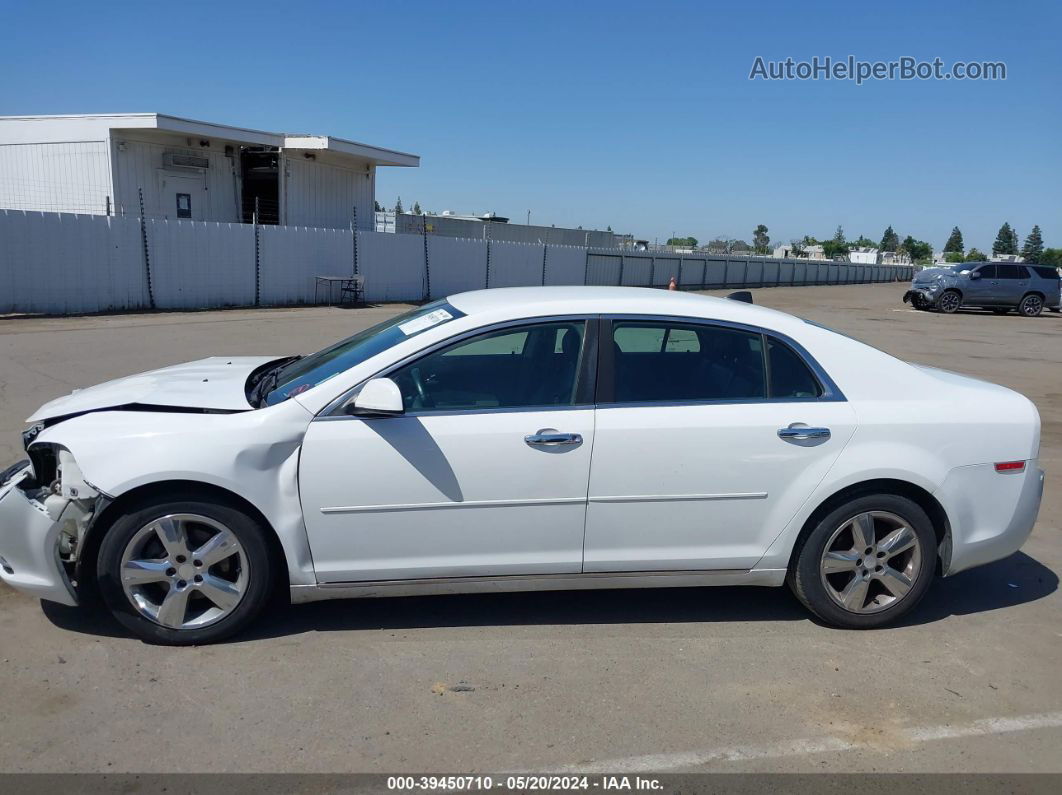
700,457
485,474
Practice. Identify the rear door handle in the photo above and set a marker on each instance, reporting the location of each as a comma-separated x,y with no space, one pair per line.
548,437
803,433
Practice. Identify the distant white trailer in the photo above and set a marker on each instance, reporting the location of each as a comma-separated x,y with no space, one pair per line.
99,164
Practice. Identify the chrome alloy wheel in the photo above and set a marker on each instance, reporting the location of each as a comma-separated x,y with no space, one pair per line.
871,562
184,571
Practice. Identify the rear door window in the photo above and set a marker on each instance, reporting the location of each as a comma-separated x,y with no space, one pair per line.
661,361
1006,270
790,376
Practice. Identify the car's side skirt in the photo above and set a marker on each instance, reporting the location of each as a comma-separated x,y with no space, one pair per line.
543,582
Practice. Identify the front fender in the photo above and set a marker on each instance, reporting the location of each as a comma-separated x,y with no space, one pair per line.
252,454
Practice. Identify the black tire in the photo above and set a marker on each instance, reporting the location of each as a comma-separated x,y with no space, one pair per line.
947,303
1032,304
806,579
251,537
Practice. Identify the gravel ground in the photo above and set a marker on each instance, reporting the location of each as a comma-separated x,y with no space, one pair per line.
713,679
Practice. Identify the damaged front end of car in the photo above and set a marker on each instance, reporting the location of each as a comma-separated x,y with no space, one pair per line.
921,298
46,511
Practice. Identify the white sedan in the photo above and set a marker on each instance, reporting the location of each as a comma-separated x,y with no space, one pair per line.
522,439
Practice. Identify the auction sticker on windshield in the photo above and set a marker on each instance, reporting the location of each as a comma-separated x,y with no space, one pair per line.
424,322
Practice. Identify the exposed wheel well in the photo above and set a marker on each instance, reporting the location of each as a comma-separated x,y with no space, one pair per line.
926,501
170,490
1034,292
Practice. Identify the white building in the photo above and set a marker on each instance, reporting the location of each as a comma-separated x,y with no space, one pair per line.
788,251
894,258
100,164
1006,258
863,255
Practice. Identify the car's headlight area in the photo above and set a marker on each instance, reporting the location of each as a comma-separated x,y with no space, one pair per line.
59,489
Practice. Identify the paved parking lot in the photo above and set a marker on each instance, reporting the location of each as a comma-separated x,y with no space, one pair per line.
716,679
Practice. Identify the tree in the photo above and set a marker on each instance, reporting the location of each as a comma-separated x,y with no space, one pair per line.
864,242
682,242
837,246
890,241
398,205
376,206
416,208
1033,249
1052,256
973,255
1006,240
760,240
953,256
917,250
954,242
798,246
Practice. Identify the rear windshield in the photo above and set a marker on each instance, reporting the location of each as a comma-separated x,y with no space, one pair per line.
309,371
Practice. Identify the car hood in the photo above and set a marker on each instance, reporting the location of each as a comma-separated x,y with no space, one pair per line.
215,383
931,274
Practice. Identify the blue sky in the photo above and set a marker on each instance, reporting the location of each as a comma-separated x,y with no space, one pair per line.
636,115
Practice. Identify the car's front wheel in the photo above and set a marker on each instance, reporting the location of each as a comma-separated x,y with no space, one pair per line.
184,572
866,563
949,302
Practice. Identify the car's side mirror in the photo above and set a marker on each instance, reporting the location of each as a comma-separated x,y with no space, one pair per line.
380,397
975,275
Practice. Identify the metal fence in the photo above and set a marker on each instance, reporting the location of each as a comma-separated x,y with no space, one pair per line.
58,263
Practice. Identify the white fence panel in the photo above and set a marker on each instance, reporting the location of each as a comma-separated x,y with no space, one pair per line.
565,265
201,264
393,266
291,257
515,264
58,263
457,265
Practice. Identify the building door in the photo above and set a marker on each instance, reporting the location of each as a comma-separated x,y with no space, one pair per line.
182,196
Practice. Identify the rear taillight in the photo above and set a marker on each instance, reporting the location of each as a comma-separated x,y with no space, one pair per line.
1010,466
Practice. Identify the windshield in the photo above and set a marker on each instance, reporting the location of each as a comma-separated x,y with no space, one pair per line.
309,371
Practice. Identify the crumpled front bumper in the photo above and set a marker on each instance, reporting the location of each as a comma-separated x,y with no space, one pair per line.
919,295
29,545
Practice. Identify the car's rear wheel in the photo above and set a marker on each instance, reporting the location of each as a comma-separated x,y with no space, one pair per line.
949,302
866,563
1031,305
184,572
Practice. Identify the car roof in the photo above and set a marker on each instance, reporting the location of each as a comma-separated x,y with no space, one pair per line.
517,302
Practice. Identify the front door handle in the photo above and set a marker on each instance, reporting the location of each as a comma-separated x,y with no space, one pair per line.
547,437
801,433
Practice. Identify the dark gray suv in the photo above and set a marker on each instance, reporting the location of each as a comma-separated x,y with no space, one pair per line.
999,286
